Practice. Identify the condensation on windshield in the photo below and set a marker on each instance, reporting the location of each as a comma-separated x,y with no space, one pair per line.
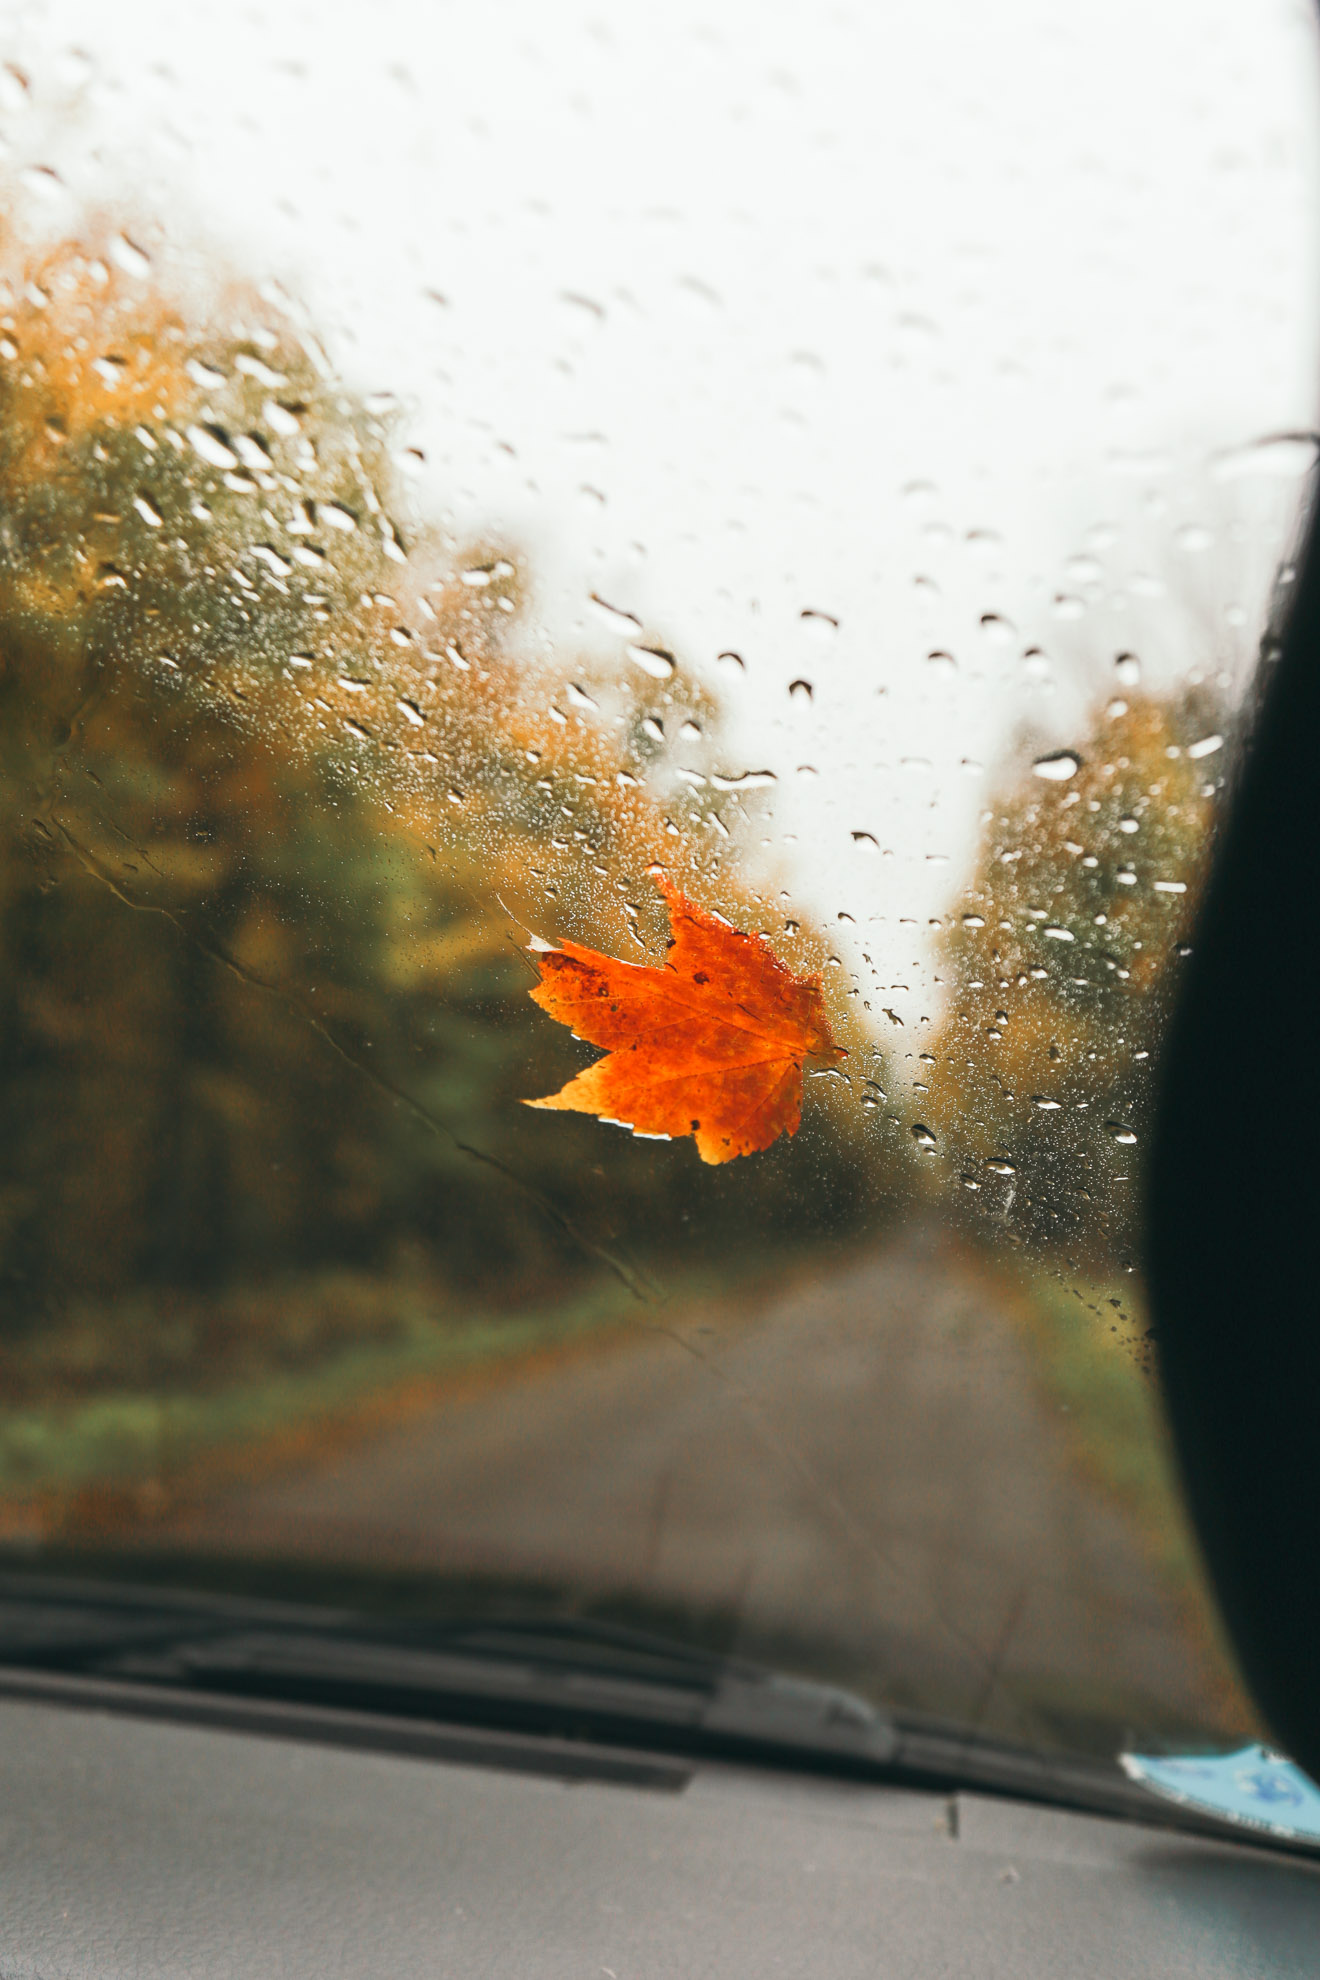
847,466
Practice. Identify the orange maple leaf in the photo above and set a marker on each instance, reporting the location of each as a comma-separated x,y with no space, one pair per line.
710,1045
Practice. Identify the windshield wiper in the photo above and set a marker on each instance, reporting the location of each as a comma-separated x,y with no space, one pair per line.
562,1681
569,1679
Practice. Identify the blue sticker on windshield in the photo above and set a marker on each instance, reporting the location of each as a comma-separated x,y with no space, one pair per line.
1253,1786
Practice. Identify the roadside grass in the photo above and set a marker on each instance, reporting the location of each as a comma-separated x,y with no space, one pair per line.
127,1434
1098,1368
109,1422
1096,1364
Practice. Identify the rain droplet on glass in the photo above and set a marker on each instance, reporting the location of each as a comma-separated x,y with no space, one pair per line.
129,256
616,619
821,625
1058,766
653,660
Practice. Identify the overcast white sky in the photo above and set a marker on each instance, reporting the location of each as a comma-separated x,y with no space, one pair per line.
902,313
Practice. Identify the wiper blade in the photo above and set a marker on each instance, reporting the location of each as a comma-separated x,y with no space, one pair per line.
57,1634
580,1678
560,1681
602,1685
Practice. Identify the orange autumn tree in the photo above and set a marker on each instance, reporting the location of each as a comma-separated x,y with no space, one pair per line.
1062,958
273,763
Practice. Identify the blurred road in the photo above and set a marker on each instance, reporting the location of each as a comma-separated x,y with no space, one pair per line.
868,1459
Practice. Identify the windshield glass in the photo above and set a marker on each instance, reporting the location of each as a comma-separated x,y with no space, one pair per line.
475,484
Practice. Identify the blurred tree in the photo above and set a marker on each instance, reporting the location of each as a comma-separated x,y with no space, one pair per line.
276,788
1061,960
